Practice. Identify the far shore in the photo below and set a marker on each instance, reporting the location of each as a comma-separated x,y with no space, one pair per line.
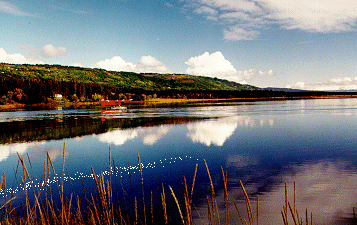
168,101
183,101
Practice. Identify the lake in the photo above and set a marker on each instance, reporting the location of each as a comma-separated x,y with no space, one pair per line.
264,144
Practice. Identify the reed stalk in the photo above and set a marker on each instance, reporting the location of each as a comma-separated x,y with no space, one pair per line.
194,179
163,201
62,181
142,187
213,197
187,203
209,211
151,208
224,175
177,204
248,205
136,212
257,209
240,216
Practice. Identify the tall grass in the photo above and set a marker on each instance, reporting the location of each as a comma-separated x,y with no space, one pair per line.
99,207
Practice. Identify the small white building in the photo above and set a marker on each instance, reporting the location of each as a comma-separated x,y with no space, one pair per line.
58,96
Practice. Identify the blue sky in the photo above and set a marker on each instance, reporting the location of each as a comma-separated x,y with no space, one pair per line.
300,44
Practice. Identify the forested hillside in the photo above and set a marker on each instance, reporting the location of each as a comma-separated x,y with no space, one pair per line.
37,83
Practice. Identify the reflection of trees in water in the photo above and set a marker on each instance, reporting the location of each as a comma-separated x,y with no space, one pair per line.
67,127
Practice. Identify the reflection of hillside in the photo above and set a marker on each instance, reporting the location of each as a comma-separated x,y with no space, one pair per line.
67,127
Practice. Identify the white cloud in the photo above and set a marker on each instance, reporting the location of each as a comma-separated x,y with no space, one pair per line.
237,33
49,51
210,64
231,5
242,19
116,64
205,10
18,58
335,84
268,73
33,57
215,65
314,16
12,9
77,64
297,85
147,64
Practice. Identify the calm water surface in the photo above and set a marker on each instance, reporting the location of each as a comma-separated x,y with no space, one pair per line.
263,144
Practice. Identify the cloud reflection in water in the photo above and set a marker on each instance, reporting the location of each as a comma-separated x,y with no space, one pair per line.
208,132
217,131
325,188
9,149
149,135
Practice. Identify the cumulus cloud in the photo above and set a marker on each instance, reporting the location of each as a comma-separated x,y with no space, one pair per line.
33,57
147,64
150,64
116,64
215,65
49,51
242,19
12,9
18,58
335,84
210,64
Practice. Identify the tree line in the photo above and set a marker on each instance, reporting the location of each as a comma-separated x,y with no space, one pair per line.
34,90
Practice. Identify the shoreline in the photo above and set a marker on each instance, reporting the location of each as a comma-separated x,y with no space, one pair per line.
169,101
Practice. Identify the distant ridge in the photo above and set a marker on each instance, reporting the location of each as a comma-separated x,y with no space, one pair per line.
284,89
300,90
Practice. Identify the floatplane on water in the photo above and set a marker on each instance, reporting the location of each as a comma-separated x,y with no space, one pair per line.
113,104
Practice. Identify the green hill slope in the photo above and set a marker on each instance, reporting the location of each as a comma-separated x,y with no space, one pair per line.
127,80
37,83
